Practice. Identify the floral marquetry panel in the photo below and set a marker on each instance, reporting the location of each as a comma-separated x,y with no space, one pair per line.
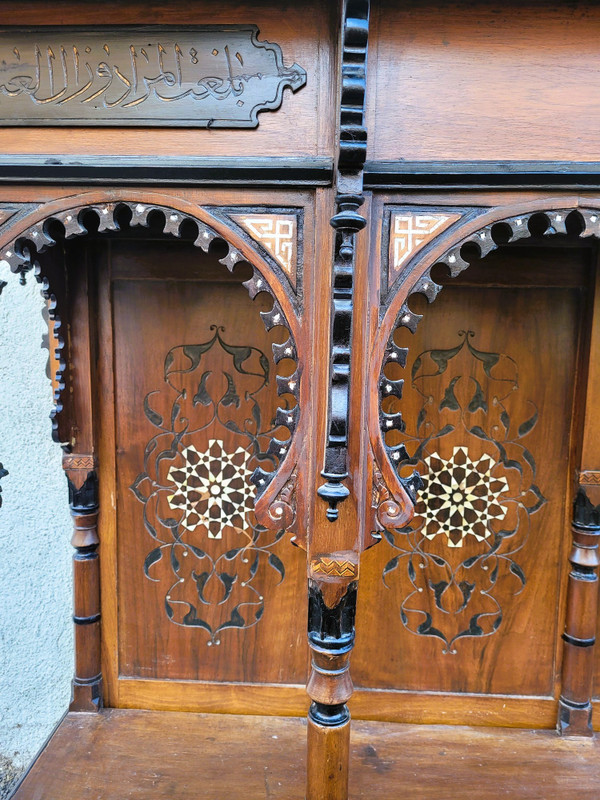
471,585
204,590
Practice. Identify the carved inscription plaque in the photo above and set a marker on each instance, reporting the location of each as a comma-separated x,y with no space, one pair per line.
209,76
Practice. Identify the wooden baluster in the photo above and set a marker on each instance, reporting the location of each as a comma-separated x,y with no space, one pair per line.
331,612
575,705
83,500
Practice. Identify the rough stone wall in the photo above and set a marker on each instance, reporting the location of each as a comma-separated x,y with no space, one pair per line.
36,649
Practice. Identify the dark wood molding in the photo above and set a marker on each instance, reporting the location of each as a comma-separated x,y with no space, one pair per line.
347,222
165,170
481,174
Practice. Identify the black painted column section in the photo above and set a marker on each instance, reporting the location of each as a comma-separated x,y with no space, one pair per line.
331,614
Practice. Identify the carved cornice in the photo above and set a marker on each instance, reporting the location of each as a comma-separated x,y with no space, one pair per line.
347,222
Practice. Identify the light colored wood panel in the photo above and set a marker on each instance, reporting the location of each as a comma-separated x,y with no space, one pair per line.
213,697
473,80
596,715
155,756
438,708
302,126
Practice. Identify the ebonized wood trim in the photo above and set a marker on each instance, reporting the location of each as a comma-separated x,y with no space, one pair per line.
165,170
477,174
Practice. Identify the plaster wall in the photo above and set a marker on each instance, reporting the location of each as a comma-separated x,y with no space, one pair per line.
36,650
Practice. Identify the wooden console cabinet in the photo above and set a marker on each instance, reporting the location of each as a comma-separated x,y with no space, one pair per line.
239,215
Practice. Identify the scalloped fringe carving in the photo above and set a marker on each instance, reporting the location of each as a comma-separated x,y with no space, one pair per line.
21,256
486,239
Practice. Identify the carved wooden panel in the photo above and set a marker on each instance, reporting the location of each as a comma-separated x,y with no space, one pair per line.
472,585
204,590
290,131
198,76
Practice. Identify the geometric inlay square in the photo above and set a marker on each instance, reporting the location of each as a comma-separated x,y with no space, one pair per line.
410,232
277,234
211,488
460,497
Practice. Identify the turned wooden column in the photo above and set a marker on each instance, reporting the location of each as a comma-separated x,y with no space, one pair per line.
83,501
332,590
575,704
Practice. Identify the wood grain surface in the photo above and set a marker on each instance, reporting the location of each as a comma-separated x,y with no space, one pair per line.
472,80
165,297
537,325
158,755
302,126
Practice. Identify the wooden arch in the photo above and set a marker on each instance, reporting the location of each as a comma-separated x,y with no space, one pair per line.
27,235
486,232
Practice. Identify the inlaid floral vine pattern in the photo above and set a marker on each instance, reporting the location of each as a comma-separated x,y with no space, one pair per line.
196,487
473,515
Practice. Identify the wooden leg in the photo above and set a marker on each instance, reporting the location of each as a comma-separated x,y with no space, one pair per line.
83,499
575,705
332,609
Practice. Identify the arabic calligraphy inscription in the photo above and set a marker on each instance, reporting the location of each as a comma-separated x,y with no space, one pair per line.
209,76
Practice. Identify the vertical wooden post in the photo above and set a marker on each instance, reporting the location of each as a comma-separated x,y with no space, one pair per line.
83,500
331,614
575,704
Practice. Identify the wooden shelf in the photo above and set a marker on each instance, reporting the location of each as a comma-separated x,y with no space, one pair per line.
156,755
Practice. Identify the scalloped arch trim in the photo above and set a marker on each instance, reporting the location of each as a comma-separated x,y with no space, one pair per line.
22,253
500,231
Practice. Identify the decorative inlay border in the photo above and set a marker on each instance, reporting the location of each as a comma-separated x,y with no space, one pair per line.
589,477
76,461
335,567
